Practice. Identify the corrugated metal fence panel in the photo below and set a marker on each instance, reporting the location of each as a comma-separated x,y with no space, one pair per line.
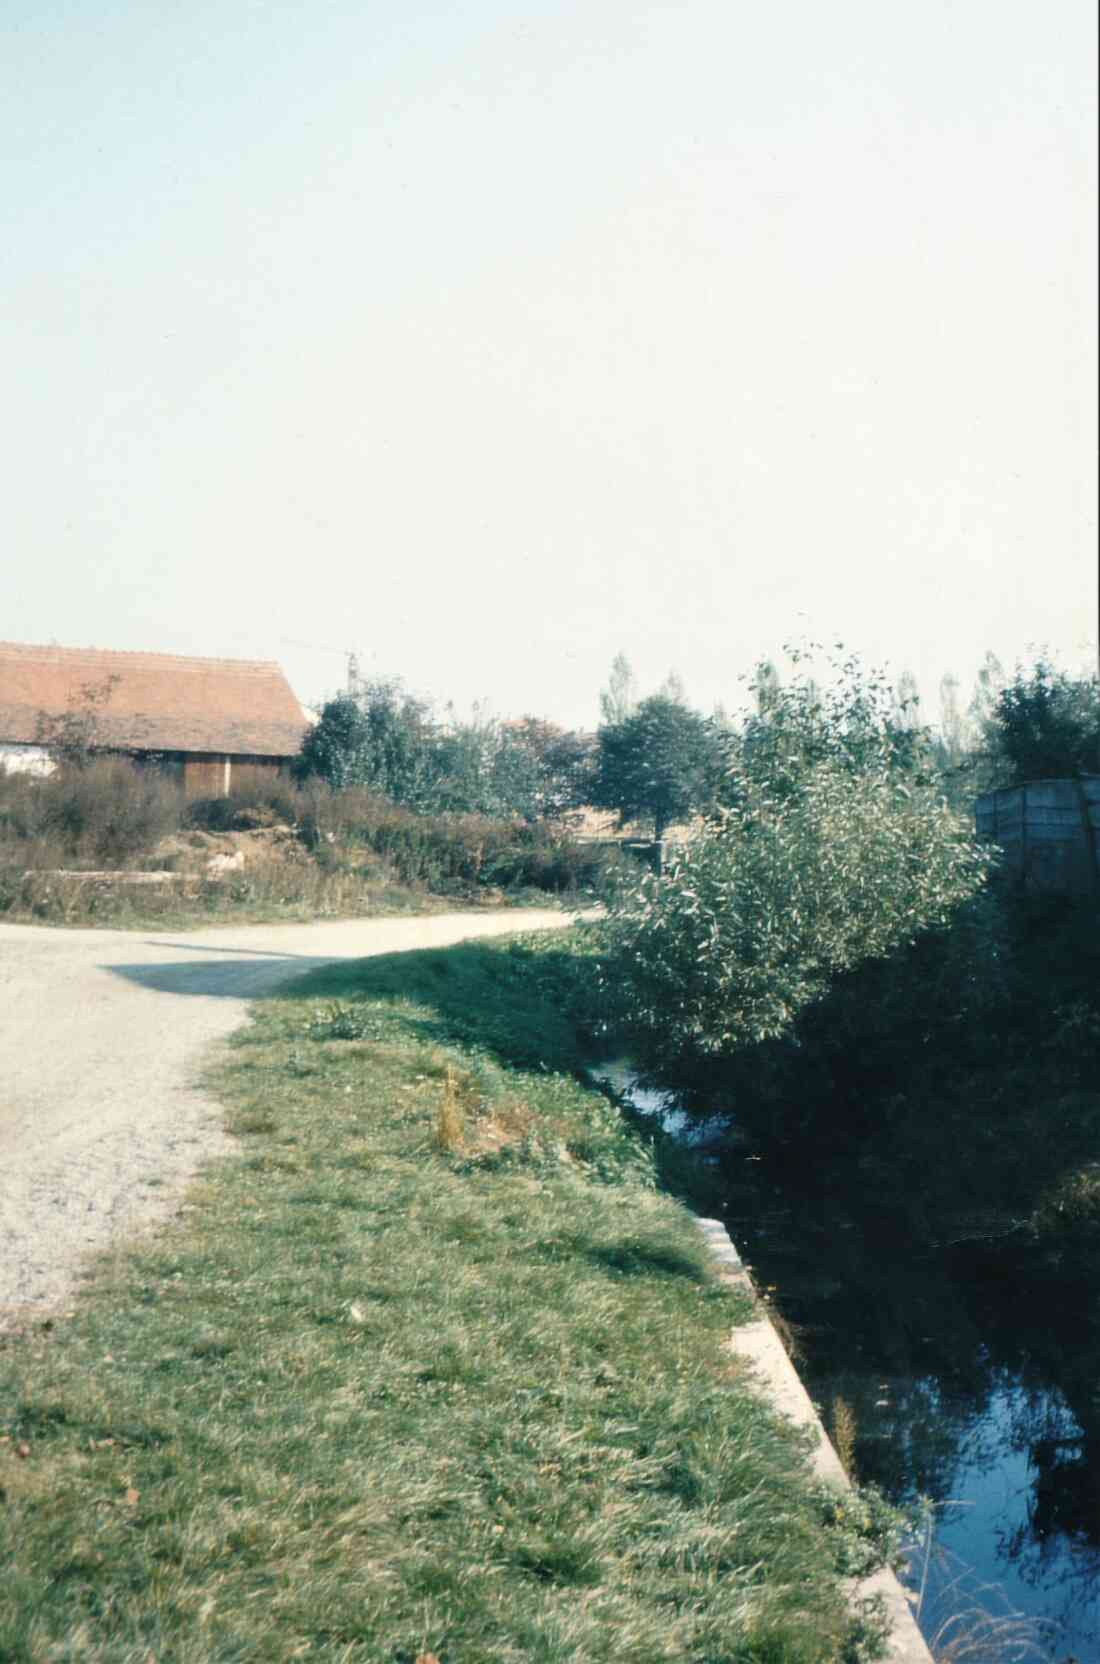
1049,831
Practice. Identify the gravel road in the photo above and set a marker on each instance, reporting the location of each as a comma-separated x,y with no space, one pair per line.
101,1036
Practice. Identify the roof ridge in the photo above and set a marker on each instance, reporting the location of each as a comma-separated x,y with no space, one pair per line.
141,653
161,701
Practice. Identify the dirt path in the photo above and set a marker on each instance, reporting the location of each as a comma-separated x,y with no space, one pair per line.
101,1034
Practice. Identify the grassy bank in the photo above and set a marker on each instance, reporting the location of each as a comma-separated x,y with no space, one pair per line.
431,1370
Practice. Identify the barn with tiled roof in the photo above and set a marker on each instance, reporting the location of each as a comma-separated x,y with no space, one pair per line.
202,715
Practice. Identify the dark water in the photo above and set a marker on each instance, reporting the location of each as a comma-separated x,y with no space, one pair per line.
971,1374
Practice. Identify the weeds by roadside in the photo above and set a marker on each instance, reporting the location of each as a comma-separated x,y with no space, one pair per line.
268,892
111,843
431,1366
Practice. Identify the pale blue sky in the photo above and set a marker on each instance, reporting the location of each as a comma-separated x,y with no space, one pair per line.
493,340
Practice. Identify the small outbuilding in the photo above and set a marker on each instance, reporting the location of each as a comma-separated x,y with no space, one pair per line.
1048,831
200,718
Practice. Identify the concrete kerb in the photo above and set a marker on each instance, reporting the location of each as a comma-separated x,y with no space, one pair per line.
760,1347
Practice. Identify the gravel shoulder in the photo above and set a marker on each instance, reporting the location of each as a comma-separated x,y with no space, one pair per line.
101,1038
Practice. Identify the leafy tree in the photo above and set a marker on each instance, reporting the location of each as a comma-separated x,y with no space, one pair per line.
766,687
400,730
76,735
955,749
381,738
834,847
955,734
563,762
1044,724
855,722
990,680
335,748
657,764
515,777
469,774
480,765
619,699
906,701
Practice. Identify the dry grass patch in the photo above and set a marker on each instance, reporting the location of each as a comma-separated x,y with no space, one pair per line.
509,1123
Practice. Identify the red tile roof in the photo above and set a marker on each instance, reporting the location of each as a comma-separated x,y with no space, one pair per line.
239,707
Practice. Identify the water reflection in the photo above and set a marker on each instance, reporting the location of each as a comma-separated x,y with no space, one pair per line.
689,1129
973,1387
972,1373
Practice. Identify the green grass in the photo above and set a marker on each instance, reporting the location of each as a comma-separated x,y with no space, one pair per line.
432,1367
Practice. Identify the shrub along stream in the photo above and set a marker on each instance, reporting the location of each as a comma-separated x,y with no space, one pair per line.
433,1369
909,1051
915,1173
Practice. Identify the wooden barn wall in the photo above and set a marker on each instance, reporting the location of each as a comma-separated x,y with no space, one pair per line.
206,776
215,776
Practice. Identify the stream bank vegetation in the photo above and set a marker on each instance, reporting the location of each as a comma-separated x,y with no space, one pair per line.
836,962
905,1049
434,1368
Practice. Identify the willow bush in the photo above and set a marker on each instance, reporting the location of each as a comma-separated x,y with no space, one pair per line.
834,846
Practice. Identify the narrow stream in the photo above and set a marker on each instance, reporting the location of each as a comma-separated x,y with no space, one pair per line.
969,1376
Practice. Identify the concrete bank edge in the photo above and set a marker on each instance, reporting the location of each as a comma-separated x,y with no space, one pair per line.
759,1345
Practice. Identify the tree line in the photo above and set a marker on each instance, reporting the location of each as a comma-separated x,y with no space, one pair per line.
656,760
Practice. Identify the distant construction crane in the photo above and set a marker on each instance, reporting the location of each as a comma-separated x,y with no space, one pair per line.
351,654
